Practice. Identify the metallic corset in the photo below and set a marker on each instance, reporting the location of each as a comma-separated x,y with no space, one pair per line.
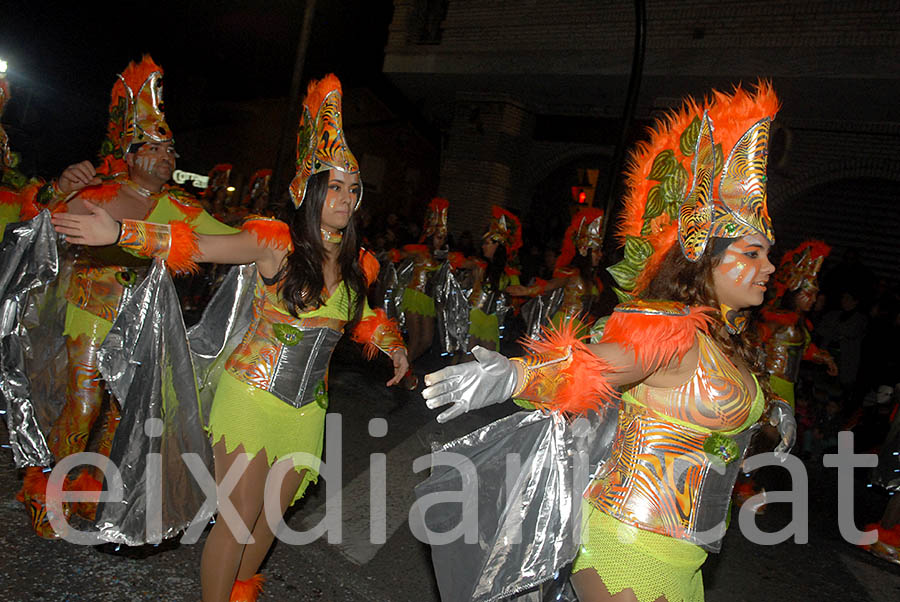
659,473
578,298
784,351
286,356
424,266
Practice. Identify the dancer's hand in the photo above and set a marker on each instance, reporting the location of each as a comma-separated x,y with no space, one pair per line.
781,416
490,379
401,365
77,176
95,229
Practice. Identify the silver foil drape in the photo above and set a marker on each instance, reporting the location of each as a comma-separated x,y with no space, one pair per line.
150,368
29,264
451,305
523,477
537,312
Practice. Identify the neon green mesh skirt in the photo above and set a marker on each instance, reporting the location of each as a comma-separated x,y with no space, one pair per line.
485,327
417,302
652,565
241,414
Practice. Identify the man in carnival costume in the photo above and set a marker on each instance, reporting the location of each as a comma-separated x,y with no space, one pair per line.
137,160
257,199
17,192
672,363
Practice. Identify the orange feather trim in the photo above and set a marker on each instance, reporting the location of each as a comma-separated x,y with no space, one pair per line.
395,255
183,249
316,91
731,114
417,249
177,196
656,339
28,196
101,193
110,166
456,259
785,317
583,382
271,233
8,197
247,590
365,331
369,265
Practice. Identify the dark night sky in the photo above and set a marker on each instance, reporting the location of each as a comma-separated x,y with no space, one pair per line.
63,61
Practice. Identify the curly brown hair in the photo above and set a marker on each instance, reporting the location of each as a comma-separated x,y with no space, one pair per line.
680,279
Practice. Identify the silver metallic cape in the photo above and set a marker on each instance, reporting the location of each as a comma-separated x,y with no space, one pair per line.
391,283
538,311
29,263
147,365
523,477
451,305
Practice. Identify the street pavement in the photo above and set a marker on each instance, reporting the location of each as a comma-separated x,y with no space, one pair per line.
399,569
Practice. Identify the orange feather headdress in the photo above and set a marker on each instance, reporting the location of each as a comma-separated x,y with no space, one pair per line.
799,268
435,217
702,174
585,232
505,228
135,114
219,177
321,144
259,186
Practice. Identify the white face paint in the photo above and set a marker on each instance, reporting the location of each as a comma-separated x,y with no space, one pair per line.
146,163
740,279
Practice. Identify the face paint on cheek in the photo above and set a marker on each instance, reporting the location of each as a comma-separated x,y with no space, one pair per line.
146,163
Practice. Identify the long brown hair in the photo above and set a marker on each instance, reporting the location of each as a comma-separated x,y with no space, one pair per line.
689,282
301,278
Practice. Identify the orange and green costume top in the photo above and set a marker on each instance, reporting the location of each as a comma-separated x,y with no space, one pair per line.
667,484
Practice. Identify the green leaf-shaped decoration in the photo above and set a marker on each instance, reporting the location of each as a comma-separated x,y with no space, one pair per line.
624,274
674,186
646,229
655,202
688,141
622,295
663,165
287,334
637,250
672,209
322,395
720,448
600,325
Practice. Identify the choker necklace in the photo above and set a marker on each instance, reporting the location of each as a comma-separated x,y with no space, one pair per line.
329,236
735,321
139,189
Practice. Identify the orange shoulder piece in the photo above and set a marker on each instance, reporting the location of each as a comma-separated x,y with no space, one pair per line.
184,202
8,197
417,249
101,193
369,265
657,331
511,271
780,316
269,232
456,259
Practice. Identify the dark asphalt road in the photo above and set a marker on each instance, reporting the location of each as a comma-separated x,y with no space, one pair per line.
827,568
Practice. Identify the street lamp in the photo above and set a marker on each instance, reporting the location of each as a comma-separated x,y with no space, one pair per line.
3,67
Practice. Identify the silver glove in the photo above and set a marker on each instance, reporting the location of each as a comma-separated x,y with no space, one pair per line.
490,379
781,416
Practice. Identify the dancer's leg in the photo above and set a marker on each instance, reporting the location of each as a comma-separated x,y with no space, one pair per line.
255,553
222,551
589,587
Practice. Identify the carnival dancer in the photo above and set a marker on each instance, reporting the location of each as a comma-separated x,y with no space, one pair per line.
575,272
312,279
216,195
491,276
257,199
418,302
17,191
697,234
784,329
137,161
